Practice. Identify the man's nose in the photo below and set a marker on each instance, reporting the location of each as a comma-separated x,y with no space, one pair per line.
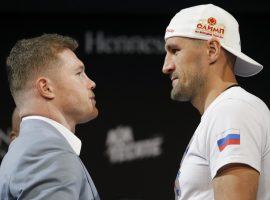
91,84
168,66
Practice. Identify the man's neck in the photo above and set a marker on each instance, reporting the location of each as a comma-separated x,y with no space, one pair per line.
208,95
51,114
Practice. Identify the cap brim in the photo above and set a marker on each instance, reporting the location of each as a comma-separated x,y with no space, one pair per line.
244,65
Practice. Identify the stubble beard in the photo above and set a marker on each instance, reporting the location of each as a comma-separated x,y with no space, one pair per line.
180,93
186,92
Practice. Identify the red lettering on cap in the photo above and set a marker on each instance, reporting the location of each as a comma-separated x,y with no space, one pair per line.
210,27
199,25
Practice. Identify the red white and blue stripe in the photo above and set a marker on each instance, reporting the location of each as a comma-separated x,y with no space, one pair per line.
232,137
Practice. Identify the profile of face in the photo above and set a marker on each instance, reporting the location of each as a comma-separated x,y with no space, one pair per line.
184,63
73,90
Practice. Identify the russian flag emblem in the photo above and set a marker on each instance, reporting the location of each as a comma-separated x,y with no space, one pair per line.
230,137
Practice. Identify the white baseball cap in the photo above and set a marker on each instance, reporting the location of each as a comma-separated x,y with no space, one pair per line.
207,21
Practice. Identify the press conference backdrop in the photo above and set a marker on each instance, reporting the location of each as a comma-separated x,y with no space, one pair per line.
134,148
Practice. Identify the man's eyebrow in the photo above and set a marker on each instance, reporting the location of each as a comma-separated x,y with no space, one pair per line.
171,46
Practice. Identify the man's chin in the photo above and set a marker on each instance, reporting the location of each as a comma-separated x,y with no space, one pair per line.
93,114
174,95
179,96
89,116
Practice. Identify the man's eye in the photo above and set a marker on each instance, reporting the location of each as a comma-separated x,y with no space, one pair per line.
174,51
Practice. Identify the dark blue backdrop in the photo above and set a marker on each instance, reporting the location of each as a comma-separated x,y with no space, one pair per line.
132,94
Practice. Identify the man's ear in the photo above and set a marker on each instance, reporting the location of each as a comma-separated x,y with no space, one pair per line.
45,88
213,50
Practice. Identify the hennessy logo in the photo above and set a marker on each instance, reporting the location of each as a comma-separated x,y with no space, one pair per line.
210,27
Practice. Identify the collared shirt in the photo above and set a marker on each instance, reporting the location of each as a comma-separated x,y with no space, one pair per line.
72,139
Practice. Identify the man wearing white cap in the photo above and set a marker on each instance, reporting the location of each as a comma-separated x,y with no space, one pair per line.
228,156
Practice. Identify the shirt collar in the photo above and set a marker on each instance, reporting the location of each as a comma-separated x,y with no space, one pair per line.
72,139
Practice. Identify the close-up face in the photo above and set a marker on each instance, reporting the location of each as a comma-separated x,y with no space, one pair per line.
184,64
74,90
